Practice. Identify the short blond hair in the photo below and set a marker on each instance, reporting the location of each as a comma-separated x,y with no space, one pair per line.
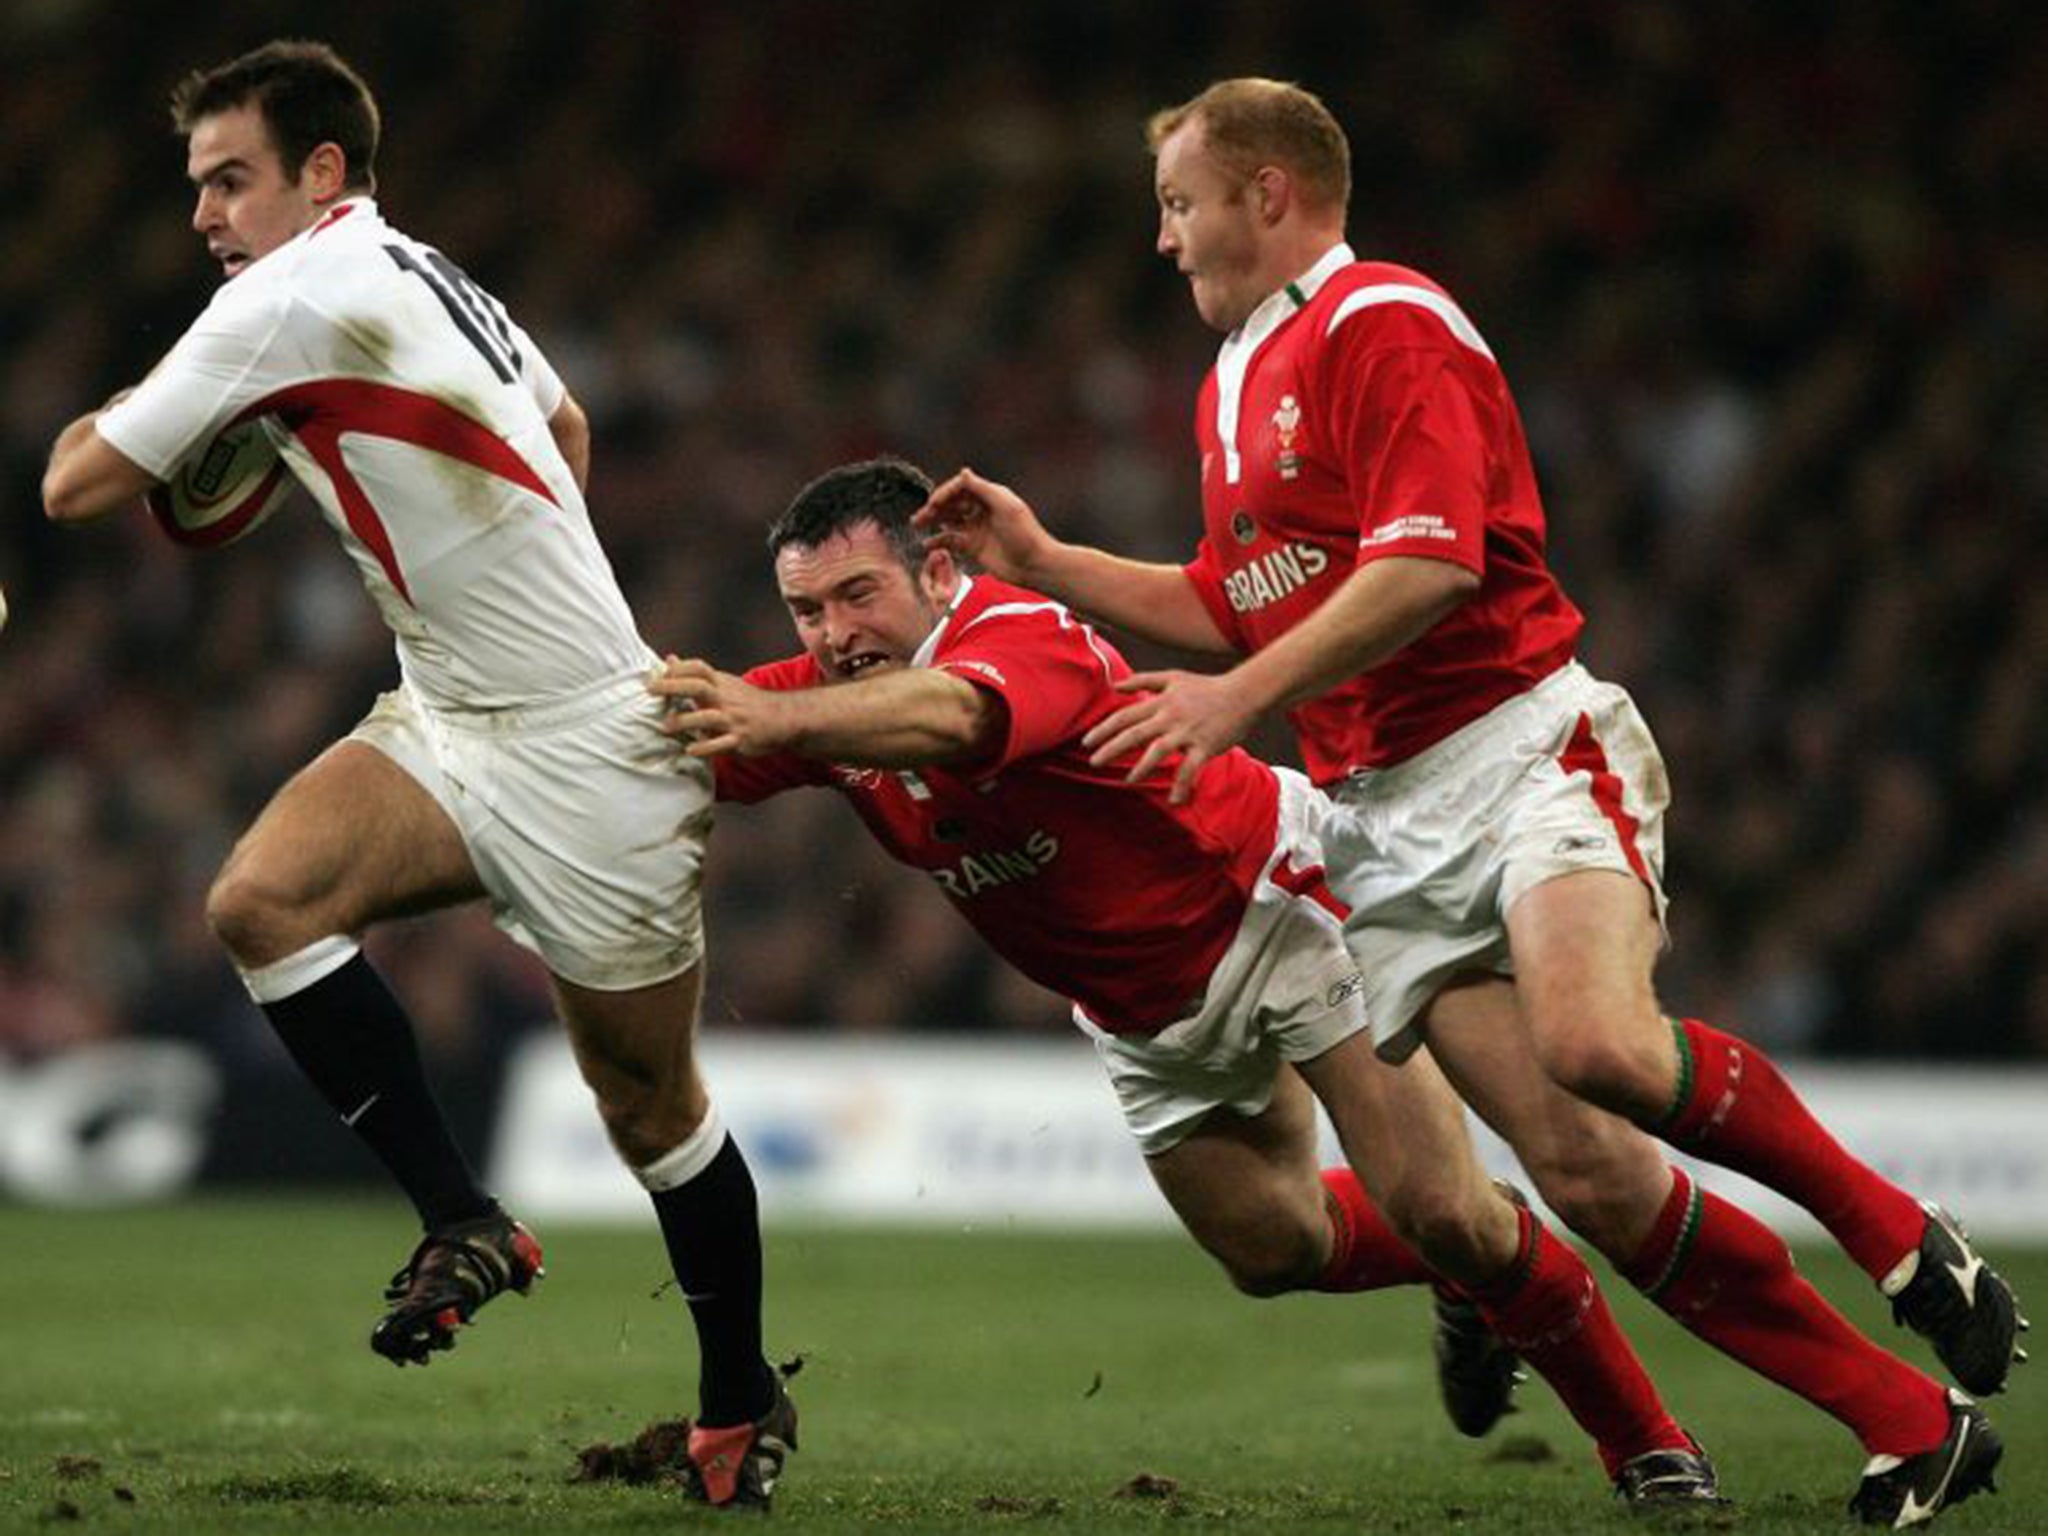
1251,122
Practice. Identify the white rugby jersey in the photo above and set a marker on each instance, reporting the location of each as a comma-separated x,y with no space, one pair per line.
415,411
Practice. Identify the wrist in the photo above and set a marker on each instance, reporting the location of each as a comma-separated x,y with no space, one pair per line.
1259,684
1047,567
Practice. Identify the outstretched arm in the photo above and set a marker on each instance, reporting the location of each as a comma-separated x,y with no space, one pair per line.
992,526
901,719
1380,608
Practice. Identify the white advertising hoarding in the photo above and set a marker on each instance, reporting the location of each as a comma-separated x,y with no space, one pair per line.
978,1132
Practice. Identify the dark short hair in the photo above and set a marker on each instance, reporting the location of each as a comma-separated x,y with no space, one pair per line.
1250,122
881,491
308,95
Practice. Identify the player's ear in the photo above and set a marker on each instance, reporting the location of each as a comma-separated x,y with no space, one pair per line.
939,576
1272,193
325,173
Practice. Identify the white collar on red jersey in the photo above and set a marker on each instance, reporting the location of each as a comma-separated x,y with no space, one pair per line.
1285,300
922,657
1236,353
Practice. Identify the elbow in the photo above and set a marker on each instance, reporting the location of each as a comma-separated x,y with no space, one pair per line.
1456,586
571,429
64,499
967,733
973,729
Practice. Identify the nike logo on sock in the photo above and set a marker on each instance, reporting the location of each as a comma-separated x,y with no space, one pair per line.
359,1111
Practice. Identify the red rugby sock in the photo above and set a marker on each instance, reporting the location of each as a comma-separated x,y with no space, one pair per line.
1548,1308
1734,1107
1728,1278
1366,1255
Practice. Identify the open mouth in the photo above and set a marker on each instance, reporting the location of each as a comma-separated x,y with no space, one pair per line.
231,262
861,665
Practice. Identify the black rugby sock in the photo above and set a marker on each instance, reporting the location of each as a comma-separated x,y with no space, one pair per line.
712,1226
356,1046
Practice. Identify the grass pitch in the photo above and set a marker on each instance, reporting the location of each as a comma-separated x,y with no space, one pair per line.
203,1369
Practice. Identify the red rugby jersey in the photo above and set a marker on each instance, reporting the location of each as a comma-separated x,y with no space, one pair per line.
1100,890
1358,414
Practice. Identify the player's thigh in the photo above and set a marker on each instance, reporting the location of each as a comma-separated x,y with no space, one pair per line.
1585,946
1602,1175
349,839
591,840
1247,1187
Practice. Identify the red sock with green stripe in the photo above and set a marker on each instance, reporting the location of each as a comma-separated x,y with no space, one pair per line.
1549,1310
1365,1255
1734,1107
1728,1278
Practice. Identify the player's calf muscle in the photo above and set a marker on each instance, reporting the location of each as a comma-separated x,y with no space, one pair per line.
1608,1191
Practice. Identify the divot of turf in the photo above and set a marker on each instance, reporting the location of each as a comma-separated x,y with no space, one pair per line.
659,1453
1148,1485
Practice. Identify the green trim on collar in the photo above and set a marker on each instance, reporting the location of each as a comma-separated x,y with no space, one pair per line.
1293,291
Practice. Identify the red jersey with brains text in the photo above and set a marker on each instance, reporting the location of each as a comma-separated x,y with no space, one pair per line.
1098,889
1358,414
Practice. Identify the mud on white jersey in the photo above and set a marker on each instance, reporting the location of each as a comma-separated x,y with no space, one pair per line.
415,411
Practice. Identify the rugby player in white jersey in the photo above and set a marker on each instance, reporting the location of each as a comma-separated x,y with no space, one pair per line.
518,758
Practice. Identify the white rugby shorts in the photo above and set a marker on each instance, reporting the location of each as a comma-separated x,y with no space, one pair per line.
1431,853
1286,990
586,825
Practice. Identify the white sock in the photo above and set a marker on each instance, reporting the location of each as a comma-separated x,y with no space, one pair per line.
676,1167
280,979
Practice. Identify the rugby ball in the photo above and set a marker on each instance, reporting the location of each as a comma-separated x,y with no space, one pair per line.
224,490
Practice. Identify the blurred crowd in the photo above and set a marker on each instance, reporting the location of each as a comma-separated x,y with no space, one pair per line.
1771,285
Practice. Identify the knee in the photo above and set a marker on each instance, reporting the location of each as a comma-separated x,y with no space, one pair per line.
1449,1230
1620,1067
648,1108
249,915
1271,1264
644,1122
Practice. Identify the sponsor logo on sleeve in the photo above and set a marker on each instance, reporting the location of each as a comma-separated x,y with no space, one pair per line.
1417,525
965,664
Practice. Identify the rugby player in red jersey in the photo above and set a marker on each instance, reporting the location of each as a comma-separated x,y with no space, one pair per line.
1194,935
1373,560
